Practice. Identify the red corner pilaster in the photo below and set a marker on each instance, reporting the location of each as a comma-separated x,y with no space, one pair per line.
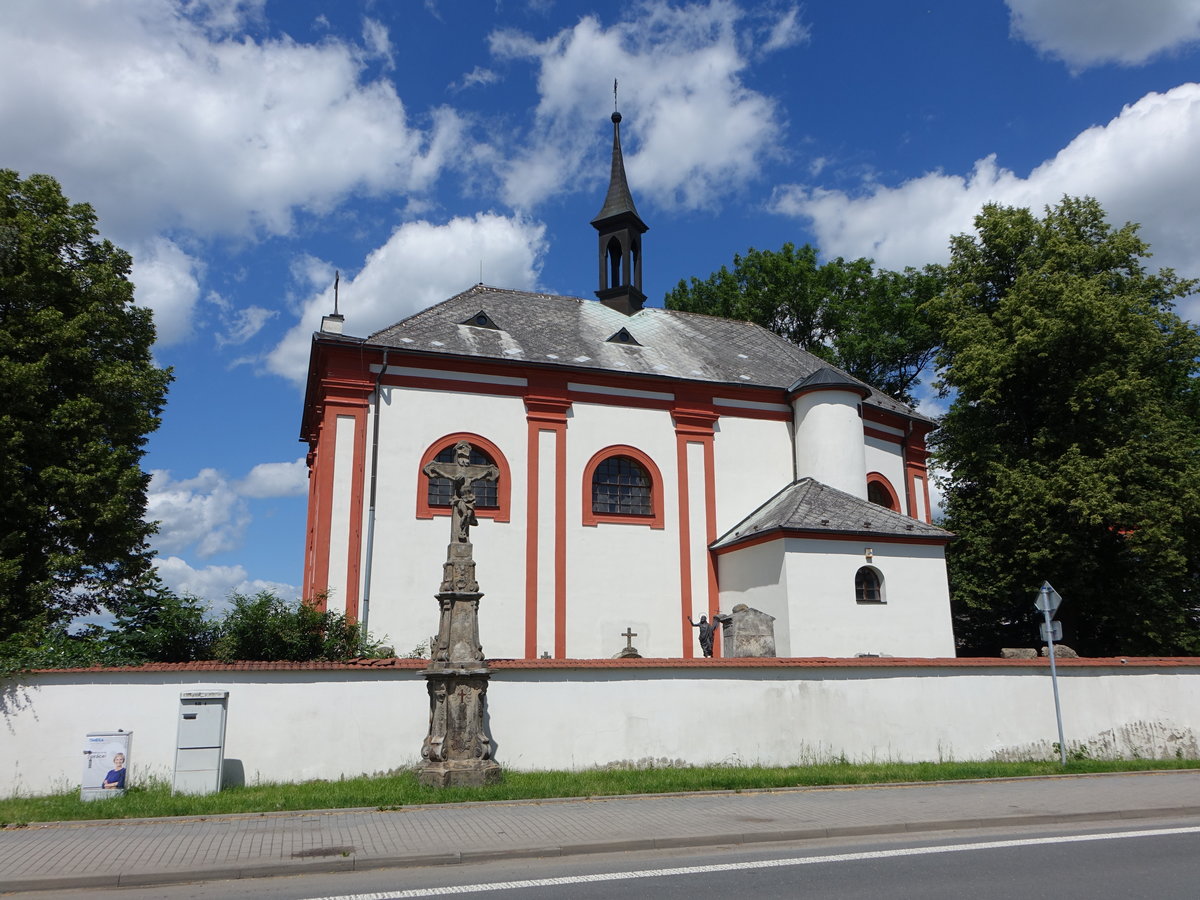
340,384
695,417
546,406
916,457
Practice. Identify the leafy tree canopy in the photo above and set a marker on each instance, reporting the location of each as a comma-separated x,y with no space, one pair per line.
1072,441
81,393
265,627
153,624
865,321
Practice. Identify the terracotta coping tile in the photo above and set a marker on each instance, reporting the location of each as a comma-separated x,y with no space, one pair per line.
870,662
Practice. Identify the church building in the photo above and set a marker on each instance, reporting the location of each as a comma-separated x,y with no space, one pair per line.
654,466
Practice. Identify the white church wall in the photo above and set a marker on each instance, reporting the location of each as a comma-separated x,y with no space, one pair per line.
826,619
623,575
409,552
753,460
299,724
757,577
885,458
829,440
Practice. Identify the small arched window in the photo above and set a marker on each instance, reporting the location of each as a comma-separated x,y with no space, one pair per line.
613,253
621,484
881,492
492,498
868,586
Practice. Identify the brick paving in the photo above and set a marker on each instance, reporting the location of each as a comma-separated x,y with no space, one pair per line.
149,851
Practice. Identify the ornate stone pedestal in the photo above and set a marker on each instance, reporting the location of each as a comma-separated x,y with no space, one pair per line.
458,749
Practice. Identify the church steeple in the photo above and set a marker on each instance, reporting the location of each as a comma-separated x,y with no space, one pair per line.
620,232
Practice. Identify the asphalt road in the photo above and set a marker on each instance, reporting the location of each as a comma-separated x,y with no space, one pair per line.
1105,860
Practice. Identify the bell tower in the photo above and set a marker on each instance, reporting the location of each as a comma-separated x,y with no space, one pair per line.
620,238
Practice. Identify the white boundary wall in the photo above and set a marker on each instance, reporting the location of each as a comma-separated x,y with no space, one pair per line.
294,724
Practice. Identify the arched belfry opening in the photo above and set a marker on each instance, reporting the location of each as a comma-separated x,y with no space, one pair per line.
620,231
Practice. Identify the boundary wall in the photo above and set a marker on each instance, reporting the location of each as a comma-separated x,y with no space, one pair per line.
300,721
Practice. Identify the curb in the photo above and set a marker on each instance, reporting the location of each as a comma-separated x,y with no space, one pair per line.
413,860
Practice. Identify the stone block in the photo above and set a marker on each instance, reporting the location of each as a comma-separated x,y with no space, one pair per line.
1061,651
1018,653
748,632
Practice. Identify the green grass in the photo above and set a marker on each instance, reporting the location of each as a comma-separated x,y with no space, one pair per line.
392,791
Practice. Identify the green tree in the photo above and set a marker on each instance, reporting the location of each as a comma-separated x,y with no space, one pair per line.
865,321
154,624
81,393
266,627
1071,441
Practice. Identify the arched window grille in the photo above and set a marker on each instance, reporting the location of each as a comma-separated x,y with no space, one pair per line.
622,487
868,586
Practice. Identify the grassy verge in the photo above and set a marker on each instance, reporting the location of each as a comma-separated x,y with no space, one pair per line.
402,790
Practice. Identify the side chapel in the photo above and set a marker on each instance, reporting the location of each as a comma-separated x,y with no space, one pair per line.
653,466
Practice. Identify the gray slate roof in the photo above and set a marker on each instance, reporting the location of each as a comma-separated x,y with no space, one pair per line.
552,330
809,505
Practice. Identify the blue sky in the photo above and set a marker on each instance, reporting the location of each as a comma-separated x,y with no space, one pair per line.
243,150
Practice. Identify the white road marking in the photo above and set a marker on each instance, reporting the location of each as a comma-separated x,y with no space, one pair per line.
760,864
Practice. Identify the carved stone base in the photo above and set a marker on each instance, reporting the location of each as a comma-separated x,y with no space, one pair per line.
458,749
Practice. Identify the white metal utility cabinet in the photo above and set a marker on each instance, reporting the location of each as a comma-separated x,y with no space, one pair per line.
200,748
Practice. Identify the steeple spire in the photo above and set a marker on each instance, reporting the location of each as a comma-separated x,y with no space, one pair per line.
620,231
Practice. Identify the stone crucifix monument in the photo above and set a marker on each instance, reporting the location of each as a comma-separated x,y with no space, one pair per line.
458,749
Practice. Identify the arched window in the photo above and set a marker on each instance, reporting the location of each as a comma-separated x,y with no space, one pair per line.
621,487
622,484
881,492
491,497
441,491
614,262
868,586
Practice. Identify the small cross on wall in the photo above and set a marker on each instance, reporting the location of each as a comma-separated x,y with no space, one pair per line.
629,634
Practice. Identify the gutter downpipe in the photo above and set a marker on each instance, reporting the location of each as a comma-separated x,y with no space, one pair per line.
366,600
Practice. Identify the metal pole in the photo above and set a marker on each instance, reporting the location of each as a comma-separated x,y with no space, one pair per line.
1062,743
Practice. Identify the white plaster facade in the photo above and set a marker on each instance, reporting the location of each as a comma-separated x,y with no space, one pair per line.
563,582
296,724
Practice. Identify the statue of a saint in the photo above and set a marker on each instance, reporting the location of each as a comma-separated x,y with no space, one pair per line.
707,631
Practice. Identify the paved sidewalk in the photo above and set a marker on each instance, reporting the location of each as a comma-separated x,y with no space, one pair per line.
157,851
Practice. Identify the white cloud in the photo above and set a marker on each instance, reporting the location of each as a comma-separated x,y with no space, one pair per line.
204,512
476,76
243,324
166,279
375,36
163,117
421,264
697,131
787,31
1085,33
1140,166
279,479
214,584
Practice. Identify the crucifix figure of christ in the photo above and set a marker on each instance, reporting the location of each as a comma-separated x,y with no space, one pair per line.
461,475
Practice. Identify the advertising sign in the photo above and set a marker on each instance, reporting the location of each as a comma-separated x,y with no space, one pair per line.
105,764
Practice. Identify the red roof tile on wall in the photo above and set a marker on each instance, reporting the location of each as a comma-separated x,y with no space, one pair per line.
872,662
